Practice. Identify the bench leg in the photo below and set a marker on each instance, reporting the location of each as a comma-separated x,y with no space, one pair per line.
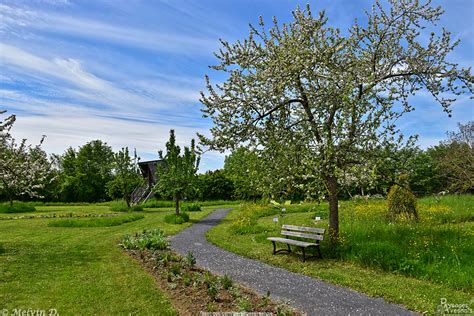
304,257
289,249
274,247
319,252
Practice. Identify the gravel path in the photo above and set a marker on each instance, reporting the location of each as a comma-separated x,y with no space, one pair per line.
307,294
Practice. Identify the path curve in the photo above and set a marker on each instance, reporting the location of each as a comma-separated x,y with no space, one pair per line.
310,295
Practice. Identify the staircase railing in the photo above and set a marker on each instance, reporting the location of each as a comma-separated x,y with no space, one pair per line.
141,193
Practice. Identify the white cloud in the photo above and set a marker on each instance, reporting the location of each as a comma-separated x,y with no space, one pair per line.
158,40
76,130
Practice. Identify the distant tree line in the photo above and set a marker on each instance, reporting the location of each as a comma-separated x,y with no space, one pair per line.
94,172
446,167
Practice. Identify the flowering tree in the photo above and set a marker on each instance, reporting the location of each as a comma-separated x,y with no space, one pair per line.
177,174
24,169
338,94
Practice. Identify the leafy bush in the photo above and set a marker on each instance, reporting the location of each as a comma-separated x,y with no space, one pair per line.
183,217
401,201
190,260
157,204
95,222
118,206
136,208
154,239
193,207
226,282
17,207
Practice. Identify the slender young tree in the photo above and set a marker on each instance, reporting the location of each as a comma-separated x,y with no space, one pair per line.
339,94
177,174
126,176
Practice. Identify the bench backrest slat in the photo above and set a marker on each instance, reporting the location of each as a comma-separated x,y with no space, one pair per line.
302,235
304,229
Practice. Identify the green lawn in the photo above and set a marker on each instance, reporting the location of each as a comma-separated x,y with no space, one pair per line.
79,270
414,264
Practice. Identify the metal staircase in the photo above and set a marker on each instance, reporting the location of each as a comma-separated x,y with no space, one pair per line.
141,194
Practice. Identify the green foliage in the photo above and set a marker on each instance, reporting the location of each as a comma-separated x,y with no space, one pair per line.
226,282
215,185
150,239
326,100
175,269
193,207
213,289
126,176
437,249
180,218
177,175
190,259
118,206
245,305
2,249
136,208
96,222
401,201
121,206
242,166
16,207
86,172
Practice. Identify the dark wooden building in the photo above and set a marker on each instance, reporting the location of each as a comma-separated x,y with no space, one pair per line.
148,169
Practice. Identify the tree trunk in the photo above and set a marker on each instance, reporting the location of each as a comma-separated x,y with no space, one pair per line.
127,200
333,209
176,200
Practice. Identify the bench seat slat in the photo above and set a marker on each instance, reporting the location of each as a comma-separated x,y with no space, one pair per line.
304,229
292,242
302,235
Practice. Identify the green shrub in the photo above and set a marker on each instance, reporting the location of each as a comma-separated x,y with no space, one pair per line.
95,222
177,219
157,204
226,282
244,304
17,207
190,259
2,249
118,206
175,269
154,239
187,279
401,201
213,290
136,208
193,207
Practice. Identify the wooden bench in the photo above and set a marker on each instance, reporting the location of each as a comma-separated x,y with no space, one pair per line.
311,238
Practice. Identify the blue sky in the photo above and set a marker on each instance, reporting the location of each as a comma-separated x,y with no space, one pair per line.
128,71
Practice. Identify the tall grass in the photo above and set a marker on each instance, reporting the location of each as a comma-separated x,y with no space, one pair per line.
121,206
439,247
17,207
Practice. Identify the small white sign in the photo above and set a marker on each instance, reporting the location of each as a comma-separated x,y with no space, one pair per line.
318,218
283,209
275,219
